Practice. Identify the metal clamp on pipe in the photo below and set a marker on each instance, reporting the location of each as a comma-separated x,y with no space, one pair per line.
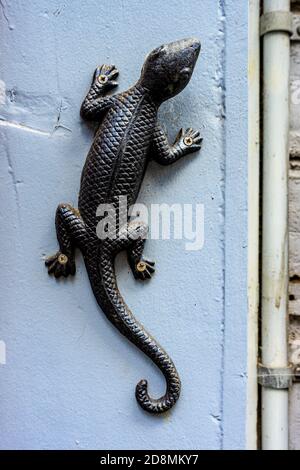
279,378
276,21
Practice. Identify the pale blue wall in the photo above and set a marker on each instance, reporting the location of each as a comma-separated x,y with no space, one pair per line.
70,377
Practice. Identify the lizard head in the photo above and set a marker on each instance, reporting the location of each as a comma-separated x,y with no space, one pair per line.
168,68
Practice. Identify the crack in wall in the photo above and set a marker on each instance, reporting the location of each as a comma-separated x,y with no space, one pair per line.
14,180
23,127
221,87
33,130
21,108
5,16
58,124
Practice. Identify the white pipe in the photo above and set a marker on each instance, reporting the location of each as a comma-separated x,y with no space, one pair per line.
276,63
253,220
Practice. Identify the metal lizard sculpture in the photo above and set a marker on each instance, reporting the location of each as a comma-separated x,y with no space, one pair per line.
127,139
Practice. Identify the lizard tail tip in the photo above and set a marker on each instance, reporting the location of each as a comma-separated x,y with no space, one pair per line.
154,406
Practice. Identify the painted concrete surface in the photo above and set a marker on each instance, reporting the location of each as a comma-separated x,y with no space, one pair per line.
69,377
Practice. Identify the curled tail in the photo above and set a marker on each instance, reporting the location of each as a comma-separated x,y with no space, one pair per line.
105,288
168,400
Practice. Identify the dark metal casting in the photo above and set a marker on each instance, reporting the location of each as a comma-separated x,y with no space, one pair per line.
128,137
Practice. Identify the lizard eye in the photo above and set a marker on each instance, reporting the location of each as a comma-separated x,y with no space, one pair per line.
157,52
186,71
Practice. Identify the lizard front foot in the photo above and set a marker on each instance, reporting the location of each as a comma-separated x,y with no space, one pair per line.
189,140
105,75
144,269
60,265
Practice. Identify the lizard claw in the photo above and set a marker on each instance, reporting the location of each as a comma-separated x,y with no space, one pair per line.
60,265
105,76
189,140
144,269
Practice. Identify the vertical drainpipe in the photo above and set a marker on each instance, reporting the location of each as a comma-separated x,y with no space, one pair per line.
253,220
276,62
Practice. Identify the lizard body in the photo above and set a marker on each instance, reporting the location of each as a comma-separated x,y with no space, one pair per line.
124,142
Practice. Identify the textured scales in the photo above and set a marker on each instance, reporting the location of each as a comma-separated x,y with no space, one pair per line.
123,145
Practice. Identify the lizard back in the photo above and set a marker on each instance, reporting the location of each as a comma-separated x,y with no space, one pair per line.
117,160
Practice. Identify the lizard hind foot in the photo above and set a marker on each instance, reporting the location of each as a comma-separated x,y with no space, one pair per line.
144,269
60,265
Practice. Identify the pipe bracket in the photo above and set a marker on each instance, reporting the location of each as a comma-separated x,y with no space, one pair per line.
296,377
279,378
296,28
276,21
